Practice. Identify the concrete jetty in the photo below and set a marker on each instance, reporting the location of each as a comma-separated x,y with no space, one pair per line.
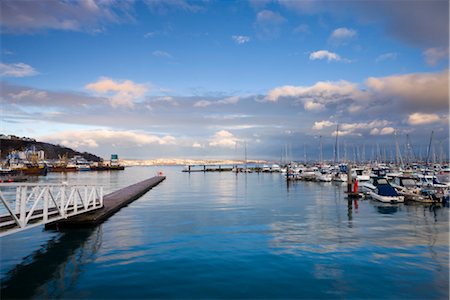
112,203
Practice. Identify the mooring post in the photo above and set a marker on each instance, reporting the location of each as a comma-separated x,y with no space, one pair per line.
349,179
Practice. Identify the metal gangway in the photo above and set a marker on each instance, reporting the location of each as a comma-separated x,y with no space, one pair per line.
27,205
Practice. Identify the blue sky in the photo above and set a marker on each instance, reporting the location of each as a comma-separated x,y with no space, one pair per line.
150,79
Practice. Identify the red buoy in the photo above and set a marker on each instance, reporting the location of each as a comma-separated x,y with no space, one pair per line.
355,186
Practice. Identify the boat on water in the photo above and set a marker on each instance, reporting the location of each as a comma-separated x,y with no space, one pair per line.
361,174
63,165
406,186
339,177
371,185
67,168
274,168
29,169
325,177
81,163
385,193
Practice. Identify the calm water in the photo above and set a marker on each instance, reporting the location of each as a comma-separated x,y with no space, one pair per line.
218,235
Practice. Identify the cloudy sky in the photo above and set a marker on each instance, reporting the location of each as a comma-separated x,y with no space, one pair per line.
200,79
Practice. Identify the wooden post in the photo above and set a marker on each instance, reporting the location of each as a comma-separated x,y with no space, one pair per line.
349,179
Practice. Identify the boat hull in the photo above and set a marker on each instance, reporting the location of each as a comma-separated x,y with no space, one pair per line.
387,199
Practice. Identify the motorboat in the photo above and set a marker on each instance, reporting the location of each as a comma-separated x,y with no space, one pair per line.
406,186
361,174
275,168
385,193
339,177
371,185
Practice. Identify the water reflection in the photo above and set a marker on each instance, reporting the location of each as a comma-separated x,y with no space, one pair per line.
226,235
55,267
387,209
350,212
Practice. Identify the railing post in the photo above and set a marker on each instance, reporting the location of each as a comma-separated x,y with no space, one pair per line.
73,196
62,206
101,196
18,197
62,194
94,197
23,206
45,208
85,200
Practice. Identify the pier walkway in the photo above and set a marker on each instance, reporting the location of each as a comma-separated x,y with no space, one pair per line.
57,206
111,204
30,205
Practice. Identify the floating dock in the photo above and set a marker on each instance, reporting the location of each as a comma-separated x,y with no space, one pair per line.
207,168
111,204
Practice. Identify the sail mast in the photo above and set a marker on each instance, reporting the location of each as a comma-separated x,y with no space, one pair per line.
336,146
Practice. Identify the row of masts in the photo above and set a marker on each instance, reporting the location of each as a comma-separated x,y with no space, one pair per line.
380,153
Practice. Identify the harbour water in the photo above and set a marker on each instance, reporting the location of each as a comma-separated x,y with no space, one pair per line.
225,235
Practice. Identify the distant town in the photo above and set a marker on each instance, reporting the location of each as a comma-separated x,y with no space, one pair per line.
13,137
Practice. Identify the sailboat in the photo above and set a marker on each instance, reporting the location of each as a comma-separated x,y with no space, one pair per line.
340,175
244,169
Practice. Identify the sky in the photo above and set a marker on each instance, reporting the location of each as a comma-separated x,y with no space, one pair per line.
205,79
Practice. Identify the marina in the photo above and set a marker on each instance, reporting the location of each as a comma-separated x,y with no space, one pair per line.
192,149
235,236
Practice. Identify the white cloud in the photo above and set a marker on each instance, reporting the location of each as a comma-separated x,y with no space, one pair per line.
358,128
123,93
227,116
196,145
422,119
94,138
17,70
229,100
395,95
224,139
150,34
165,6
240,39
302,29
422,90
313,106
354,108
342,36
268,24
386,56
206,103
32,16
268,16
383,131
29,94
321,92
387,130
434,55
202,103
322,124
375,131
159,53
324,54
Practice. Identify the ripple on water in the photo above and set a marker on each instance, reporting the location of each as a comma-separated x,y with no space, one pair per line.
218,235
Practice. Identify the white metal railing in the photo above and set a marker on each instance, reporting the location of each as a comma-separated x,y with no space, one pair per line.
36,204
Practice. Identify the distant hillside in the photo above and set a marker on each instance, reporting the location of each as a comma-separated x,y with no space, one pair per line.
51,151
